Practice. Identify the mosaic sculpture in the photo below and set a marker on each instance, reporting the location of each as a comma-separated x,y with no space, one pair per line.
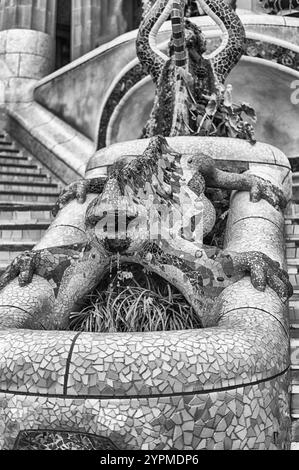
222,386
275,6
142,189
189,83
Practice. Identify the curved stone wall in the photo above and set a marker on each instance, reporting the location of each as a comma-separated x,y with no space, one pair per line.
222,387
79,100
264,78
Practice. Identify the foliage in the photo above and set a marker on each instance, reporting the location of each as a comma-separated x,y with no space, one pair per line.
223,118
136,301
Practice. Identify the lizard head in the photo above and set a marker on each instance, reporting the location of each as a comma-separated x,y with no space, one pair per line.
147,200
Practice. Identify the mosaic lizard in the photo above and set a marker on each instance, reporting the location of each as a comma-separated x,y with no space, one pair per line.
137,196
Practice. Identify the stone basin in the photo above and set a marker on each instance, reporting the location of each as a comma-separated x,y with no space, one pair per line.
222,387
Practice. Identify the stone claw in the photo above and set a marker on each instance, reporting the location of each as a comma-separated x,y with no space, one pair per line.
77,190
263,189
264,272
23,267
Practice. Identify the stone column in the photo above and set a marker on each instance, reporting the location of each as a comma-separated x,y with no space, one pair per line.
27,46
95,22
38,15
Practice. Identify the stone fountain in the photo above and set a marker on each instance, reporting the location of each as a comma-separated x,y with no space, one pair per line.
151,203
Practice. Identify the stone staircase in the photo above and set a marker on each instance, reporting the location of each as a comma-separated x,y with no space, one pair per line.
27,193
292,253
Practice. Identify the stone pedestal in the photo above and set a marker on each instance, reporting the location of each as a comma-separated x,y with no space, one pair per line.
26,56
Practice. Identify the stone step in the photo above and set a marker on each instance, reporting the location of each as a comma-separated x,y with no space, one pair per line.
293,262
17,163
294,312
17,197
26,178
25,218
6,189
292,237
20,167
23,207
294,280
9,225
9,150
292,219
23,235
22,171
14,157
292,250
17,213
18,246
293,210
291,230
7,143
292,253
294,348
296,290
295,393
28,192
31,188
295,435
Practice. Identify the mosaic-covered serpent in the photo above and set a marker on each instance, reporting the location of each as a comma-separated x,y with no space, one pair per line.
223,59
185,81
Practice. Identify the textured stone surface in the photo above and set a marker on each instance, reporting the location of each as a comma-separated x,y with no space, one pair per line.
254,417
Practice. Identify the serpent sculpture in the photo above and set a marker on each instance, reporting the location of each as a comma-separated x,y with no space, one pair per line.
186,82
